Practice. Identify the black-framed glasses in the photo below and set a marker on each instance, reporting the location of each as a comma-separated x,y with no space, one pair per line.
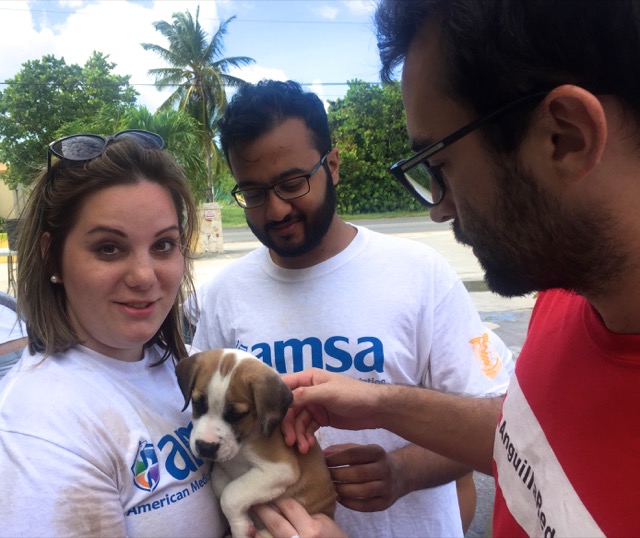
425,182
84,147
287,189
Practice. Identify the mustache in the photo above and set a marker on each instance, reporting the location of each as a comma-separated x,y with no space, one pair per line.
273,224
458,234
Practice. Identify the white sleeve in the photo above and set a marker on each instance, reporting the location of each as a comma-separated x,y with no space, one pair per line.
208,332
47,490
465,356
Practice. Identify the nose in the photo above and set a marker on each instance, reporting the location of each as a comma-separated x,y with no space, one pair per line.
445,210
276,208
141,272
206,449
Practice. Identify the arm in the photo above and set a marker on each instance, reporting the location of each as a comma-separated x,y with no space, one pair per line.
368,479
55,491
458,427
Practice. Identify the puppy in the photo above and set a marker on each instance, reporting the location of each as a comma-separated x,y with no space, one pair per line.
238,403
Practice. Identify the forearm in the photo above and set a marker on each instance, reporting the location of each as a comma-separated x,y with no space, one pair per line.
418,468
457,427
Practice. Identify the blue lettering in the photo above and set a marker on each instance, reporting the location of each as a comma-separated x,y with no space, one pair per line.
184,434
335,352
179,464
295,355
377,355
263,352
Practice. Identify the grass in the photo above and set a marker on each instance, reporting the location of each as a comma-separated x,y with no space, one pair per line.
233,216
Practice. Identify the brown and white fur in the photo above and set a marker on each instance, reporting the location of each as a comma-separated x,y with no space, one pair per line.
238,403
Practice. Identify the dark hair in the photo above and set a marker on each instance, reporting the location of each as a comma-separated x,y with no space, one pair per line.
53,207
258,108
498,50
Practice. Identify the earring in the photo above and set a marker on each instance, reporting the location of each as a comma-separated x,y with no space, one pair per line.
55,279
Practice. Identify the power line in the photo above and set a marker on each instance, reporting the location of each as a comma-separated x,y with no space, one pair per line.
237,19
141,84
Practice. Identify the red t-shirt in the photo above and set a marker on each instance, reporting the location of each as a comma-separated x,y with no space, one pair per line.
567,446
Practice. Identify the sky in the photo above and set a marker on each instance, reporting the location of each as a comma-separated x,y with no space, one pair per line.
320,43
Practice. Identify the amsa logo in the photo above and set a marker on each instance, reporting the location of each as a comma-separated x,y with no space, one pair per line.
336,354
179,462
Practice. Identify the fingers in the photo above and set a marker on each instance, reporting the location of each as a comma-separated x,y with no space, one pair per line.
362,476
293,520
278,525
353,454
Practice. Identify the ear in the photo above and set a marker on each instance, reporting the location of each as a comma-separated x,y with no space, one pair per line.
575,128
186,372
272,399
333,162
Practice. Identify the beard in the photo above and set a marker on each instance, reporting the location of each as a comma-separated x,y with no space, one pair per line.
530,241
316,225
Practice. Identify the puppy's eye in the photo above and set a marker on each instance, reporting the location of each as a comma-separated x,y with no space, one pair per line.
200,405
231,414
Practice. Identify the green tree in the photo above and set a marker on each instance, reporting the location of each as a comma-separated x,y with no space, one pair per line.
45,95
200,75
180,132
369,128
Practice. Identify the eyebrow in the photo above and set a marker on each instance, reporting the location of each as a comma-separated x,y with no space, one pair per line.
417,144
120,233
290,173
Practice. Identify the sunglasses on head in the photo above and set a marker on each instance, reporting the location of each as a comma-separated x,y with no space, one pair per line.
84,147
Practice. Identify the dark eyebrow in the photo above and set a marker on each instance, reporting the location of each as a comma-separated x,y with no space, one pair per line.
120,233
417,144
291,173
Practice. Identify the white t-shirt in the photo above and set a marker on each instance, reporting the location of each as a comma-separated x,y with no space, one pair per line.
384,310
96,446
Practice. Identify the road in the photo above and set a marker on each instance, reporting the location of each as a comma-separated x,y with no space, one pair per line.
404,225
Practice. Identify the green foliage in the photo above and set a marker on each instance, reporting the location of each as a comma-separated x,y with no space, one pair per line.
178,129
369,129
42,97
199,72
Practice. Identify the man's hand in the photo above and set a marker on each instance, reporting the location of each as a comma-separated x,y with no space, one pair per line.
365,476
322,398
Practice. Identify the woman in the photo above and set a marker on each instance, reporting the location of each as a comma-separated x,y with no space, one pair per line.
92,438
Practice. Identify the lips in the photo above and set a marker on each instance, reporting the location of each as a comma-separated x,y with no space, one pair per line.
137,307
284,228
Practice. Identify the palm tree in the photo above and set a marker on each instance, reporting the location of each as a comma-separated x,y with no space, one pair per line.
200,75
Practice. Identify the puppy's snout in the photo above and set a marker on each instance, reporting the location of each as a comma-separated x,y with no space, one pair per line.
207,450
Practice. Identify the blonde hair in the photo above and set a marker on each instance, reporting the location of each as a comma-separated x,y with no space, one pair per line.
53,208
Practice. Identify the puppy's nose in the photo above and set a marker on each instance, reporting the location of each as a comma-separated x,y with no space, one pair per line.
207,450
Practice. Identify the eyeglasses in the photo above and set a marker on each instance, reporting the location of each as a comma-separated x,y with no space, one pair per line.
84,147
288,189
425,182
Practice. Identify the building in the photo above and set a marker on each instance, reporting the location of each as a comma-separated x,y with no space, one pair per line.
9,199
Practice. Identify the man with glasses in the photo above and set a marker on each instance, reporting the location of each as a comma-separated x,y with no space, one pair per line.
322,292
525,116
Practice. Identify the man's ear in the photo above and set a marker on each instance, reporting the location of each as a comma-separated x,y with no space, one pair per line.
575,126
333,162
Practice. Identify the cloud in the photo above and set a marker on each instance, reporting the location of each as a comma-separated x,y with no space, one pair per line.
327,12
360,7
114,27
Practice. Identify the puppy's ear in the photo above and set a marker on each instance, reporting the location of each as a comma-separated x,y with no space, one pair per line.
272,398
187,371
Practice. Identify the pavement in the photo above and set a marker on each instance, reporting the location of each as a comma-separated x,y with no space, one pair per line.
509,318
